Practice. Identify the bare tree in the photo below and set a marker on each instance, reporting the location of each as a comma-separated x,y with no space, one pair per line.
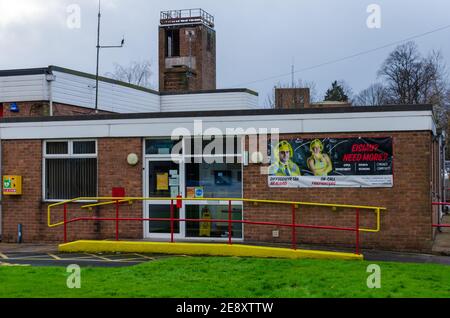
413,79
374,95
137,73
270,101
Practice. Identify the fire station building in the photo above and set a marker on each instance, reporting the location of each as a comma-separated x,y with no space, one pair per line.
213,148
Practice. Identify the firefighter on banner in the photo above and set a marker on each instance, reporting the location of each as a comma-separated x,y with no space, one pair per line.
284,166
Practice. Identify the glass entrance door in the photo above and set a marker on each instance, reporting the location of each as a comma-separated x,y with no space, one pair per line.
164,180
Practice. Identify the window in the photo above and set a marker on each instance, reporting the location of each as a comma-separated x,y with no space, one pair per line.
213,229
217,146
160,146
70,169
217,180
173,43
210,41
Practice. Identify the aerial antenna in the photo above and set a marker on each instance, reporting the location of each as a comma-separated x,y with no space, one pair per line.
99,47
293,72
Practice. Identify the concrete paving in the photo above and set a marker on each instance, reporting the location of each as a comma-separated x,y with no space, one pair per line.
48,255
382,256
442,241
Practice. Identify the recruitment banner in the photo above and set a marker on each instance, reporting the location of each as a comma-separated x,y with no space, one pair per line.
331,162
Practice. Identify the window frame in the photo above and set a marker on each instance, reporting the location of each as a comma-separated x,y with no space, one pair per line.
69,155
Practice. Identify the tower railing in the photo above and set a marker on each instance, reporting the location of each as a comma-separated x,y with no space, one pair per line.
187,16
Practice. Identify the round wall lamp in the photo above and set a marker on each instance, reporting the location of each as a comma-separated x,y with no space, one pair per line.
133,159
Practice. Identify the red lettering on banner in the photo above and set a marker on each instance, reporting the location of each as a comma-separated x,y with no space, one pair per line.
365,147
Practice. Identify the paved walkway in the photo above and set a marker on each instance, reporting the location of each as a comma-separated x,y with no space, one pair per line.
442,241
47,255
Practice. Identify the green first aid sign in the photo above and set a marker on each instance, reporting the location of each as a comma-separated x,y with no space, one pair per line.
12,185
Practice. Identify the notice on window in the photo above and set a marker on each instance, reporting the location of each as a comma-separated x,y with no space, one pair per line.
174,181
190,192
162,182
174,192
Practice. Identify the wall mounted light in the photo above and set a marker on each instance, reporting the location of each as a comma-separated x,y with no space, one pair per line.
14,108
133,159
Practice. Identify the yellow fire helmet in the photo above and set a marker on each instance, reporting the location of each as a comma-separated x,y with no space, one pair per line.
316,143
283,146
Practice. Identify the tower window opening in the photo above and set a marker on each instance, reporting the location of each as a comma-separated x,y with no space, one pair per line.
172,43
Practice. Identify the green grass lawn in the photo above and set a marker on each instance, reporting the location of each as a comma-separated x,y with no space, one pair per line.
215,277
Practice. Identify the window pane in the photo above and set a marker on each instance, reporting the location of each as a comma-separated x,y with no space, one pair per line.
70,178
164,179
57,148
217,180
84,147
218,145
162,212
160,146
212,212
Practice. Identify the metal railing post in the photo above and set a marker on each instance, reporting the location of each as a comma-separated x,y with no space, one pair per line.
294,232
65,223
230,218
357,231
171,221
117,220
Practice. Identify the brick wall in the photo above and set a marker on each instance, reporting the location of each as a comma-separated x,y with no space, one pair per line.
406,225
204,74
24,158
42,109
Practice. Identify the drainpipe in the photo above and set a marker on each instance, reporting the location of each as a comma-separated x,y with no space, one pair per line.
50,79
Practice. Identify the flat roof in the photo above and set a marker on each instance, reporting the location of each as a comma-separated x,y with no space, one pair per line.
223,113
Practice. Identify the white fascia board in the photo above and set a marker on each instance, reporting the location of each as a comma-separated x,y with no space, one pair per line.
298,123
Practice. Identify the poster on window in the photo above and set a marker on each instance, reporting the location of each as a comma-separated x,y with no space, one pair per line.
331,163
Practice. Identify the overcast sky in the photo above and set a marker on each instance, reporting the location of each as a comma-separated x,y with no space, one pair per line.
256,39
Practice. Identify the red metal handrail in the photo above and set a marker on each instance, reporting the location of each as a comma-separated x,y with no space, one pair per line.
440,204
230,222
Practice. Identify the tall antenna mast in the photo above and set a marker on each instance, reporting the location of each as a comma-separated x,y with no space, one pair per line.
98,54
293,72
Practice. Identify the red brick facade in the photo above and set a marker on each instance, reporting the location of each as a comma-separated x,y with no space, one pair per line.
24,158
202,49
405,226
42,109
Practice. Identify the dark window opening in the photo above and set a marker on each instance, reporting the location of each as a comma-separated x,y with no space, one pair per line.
70,178
172,43
210,41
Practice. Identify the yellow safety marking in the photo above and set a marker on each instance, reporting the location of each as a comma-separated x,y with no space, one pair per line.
130,200
377,230
100,257
3,256
54,256
72,260
143,256
201,249
13,265
104,203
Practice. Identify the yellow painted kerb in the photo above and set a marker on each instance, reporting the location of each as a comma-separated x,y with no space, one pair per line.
200,249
